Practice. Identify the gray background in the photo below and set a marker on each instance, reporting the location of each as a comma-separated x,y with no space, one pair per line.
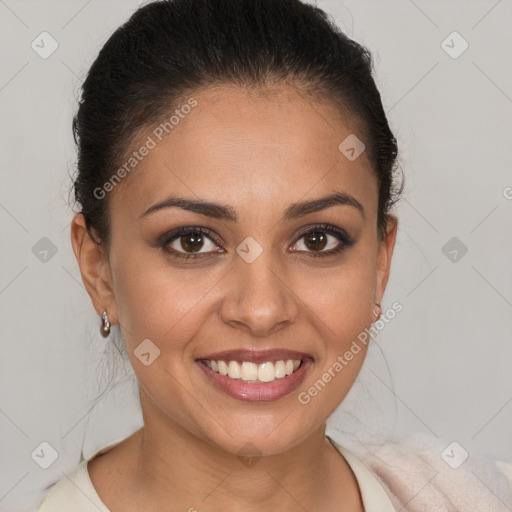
441,367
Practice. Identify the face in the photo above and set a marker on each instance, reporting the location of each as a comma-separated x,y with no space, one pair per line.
264,281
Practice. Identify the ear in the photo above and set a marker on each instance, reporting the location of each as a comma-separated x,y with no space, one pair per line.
94,268
386,246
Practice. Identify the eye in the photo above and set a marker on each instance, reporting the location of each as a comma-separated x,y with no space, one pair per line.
189,241
316,240
194,242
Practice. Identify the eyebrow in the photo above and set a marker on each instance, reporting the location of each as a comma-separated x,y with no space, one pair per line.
224,212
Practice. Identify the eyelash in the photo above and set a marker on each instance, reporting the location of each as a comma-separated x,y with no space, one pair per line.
167,238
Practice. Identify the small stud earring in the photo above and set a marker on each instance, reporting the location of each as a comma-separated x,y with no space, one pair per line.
375,311
105,325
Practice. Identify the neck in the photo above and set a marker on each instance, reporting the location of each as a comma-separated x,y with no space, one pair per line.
173,466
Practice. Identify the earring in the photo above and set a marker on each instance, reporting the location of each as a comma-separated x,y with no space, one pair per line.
105,325
375,311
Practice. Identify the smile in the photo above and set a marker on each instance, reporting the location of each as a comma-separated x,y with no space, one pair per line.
249,375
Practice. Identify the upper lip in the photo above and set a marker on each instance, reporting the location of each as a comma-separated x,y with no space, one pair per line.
256,356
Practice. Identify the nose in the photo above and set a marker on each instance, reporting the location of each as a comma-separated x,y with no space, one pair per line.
259,299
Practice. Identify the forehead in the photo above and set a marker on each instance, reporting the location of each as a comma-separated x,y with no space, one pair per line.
269,146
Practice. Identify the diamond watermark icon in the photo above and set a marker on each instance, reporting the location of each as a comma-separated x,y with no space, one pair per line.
454,45
44,455
249,460
249,249
454,455
454,249
351,147
44,250
146,352
44,45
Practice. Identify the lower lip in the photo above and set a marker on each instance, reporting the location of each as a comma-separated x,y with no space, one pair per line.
257,392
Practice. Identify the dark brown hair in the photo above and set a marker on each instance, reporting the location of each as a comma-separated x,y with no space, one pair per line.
171,48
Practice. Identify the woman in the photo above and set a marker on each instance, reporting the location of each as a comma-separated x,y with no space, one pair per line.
236,179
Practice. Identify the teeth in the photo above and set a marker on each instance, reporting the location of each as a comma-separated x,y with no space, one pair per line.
249,371
223,367
252,372
266,372
234,370
280,368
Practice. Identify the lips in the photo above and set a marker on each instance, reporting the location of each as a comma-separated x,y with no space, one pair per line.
262,375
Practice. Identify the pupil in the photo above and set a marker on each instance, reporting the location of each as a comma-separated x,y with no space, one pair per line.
316,240
192,241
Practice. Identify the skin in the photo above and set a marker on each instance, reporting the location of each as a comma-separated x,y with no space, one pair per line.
257,152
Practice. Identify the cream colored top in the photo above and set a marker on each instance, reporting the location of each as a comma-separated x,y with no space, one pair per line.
75,491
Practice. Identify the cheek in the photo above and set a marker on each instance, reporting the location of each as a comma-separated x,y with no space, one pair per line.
156,300
342,297
341,305
342,315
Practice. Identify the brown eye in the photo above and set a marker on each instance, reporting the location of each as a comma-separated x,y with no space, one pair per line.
315,240
323,240
192,242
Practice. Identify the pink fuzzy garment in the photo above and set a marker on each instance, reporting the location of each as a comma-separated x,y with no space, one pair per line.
417,479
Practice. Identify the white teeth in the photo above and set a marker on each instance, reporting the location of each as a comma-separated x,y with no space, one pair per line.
280,368
249,371
234,370
223,367
252,372
266,372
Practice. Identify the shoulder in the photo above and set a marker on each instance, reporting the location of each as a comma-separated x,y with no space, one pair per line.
427,474
74,489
